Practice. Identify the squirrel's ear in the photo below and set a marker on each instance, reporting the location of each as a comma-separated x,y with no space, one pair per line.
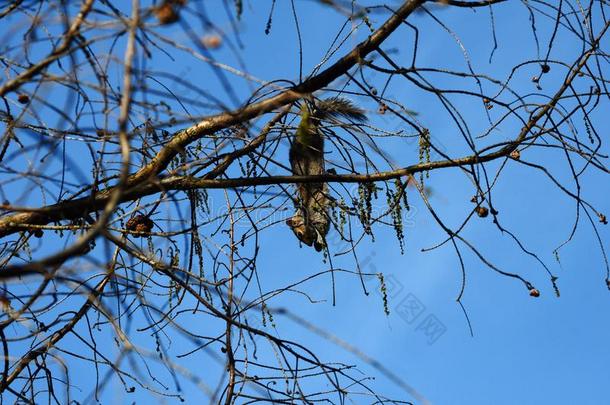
289,222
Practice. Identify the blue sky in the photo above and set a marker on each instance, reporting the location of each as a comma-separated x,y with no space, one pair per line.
523,350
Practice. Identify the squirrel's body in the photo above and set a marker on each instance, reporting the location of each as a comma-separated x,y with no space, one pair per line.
311,222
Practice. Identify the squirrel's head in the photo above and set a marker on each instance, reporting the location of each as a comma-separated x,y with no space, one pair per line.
306,234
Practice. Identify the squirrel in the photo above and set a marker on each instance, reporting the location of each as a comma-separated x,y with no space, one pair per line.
311,221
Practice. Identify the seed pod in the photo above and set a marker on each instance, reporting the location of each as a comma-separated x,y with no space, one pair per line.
482,211
534,293
5,302
211,41
166,13
139,223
